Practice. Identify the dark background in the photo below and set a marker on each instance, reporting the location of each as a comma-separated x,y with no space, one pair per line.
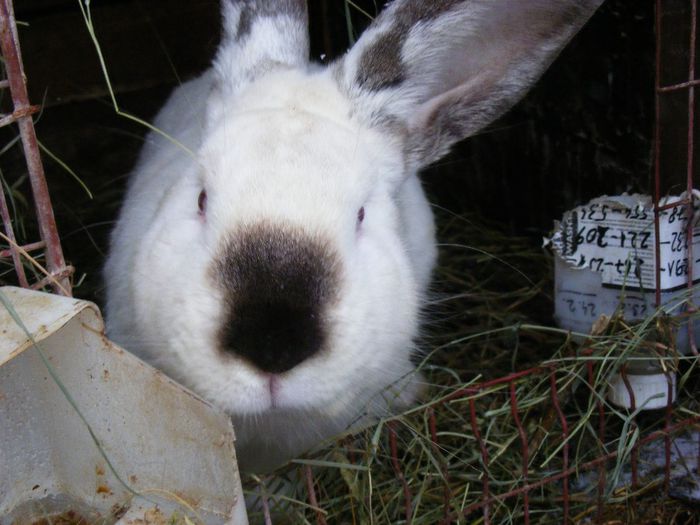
585,130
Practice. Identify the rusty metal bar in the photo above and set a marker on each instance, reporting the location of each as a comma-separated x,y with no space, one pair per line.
471,390
679,87
26,247
602,479
523,449
52,278
265,502
396,464
657,152
10,232
6,120
485,496
447,493
601,440
667,425
690,164
9,46
685,201
565,440
688,201
313,501
634,460
691,103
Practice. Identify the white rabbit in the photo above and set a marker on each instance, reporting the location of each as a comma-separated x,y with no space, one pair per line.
275,255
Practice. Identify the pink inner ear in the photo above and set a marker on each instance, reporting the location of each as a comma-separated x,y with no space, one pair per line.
426,113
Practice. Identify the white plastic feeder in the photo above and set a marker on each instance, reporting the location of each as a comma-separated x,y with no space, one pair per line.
173,454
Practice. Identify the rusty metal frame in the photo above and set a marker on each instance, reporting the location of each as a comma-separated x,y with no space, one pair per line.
688,198
58,273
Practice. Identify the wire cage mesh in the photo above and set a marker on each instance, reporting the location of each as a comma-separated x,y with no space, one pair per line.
54,273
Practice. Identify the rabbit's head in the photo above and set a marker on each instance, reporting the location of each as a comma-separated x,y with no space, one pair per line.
279,268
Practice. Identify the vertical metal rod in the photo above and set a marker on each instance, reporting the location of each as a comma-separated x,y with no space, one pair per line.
9,45
484,458
690,178
667,429
602,481
447,493
308,474
657,153
601,439
697,459
691,106
10,232
399,473
264,500
565,439
690,166
523,448
633,408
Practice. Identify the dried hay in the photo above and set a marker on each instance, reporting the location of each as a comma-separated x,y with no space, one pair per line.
492,324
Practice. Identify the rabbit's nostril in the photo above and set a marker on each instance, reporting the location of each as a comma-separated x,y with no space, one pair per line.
278,284
275,337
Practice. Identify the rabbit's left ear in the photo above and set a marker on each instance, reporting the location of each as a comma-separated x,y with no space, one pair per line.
438,71
259,36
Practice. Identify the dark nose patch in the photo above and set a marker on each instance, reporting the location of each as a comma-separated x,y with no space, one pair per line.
278,283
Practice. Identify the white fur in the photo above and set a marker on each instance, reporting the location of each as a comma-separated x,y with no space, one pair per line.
162,304
278,142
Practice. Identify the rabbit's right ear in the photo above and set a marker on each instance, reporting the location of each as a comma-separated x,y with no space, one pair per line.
437,71
260,36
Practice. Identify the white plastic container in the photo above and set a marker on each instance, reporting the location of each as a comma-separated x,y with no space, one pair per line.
605,263
173,453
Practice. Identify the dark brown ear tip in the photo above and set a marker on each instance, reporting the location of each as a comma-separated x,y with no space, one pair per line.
252,11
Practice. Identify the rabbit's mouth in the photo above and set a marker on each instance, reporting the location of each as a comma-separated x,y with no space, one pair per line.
281,396
277,394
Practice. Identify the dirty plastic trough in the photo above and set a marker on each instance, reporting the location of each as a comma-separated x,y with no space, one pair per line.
167,456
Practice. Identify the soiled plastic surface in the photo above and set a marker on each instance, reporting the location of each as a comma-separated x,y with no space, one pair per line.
172,453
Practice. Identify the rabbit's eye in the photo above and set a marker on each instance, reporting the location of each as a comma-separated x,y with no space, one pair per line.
202,202
360,215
